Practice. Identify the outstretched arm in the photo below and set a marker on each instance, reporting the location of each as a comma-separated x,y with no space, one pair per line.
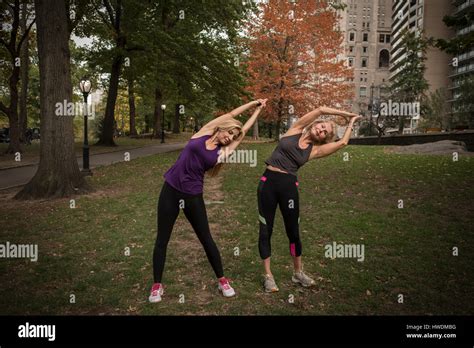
313,115
208,128
330,148
234,113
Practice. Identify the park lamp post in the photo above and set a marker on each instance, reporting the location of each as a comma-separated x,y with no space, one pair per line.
163,107
371,107
85,86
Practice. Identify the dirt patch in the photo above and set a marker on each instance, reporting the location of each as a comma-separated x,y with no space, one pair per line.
185,241
8,202
213,188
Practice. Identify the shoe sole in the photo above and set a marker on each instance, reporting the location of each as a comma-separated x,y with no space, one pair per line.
156,300
301,283
222,292
272,290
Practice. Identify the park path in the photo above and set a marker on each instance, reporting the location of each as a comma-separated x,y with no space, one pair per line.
13,177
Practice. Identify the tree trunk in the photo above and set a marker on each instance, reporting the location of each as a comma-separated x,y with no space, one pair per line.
401,124
14,145
24,61
131,104
176,119
277,129
280,115
106,137
58,173
147,124
157,113
255,131
270,126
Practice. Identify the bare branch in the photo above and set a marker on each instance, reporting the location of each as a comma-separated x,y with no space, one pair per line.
104,19
25,35
118,15
110,11
15,25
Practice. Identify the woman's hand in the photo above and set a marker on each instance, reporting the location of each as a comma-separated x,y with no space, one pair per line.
350,116
355,118
261,103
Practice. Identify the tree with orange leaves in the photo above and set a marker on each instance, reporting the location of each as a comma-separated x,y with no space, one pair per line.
294,58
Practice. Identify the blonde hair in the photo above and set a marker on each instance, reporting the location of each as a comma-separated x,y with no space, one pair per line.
226,125
331,137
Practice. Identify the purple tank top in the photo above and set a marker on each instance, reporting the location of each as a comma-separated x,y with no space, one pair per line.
187,174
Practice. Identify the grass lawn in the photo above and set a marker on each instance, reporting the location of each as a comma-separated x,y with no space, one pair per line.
408,251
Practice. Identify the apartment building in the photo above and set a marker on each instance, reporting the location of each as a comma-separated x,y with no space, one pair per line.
367,25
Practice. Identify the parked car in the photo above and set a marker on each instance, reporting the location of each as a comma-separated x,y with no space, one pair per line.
35,134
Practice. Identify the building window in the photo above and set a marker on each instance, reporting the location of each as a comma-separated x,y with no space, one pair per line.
351,61
384,38
351,36
364,49
351,49
384,58
363,92
366,37
364,63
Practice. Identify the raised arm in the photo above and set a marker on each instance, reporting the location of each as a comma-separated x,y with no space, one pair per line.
230,148
328,149
209,127
234,113
313,115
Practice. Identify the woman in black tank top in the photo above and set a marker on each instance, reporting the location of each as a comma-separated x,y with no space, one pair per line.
307,139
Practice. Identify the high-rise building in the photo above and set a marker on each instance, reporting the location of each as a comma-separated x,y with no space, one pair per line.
366,25
421,16
463,64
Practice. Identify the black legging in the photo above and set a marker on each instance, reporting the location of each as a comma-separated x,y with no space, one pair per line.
169,204
278,189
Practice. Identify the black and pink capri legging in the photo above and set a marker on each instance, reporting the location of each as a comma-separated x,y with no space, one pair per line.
278,189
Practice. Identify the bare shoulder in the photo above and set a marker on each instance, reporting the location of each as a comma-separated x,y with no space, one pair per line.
202,132
292,131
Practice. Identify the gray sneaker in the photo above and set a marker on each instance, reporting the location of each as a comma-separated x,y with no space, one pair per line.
269,284
303,279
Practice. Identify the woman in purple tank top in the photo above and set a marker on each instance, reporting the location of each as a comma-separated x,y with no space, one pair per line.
183,186
307,138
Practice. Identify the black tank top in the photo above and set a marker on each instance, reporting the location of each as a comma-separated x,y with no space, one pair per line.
288,155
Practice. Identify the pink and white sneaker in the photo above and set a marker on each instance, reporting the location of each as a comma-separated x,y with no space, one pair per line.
156,292
225,288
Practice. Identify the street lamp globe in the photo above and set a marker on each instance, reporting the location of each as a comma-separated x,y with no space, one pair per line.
163,107
85,86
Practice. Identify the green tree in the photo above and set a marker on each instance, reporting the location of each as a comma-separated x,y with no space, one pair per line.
463,107
435,111
11,41
459,43
410,85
